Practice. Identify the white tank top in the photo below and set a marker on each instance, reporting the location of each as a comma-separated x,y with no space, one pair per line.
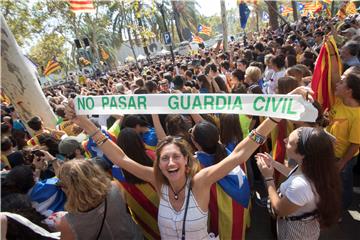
170,221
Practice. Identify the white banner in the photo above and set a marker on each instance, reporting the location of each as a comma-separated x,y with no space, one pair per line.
292,107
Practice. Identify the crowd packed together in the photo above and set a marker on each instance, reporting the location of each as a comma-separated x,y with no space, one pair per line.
191,176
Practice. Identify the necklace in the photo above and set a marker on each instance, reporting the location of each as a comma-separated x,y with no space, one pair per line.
176,194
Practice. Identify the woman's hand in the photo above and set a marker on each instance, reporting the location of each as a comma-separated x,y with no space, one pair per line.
266,157
71,114
39,162
267,170
306,92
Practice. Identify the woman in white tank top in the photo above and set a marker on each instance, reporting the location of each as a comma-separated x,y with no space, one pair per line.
175,169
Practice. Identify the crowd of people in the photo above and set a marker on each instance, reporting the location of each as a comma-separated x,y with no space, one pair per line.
191,176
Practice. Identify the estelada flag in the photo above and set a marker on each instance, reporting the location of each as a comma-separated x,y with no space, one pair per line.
350,8
229,201
347,8
197,39
321,80
204,29
285,10
318,7
82,6
52,66
309,6
143,202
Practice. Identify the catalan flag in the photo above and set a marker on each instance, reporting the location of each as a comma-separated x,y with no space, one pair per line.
52,66
285,10
204,29
351,8
197,39
143,202
318,7
327,1
309,6
104,54
229,199
321,80
82,6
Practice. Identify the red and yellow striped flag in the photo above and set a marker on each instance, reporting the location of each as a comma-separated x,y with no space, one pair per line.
82,6
318,7
286,11
348,8
321,80
197,39
309,6
51,67
351,8
327,1
143,202
204,29
227,217
283,130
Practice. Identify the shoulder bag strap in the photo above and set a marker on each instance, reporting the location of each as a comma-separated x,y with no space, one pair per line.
186,208
103,220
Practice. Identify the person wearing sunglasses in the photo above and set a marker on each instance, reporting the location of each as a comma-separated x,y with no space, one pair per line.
184,189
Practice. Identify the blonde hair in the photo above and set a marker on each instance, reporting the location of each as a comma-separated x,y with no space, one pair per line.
84,184
193,165
254,73
268,58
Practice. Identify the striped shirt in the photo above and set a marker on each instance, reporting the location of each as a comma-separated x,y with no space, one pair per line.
171,221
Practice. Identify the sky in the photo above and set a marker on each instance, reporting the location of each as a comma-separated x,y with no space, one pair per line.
212,7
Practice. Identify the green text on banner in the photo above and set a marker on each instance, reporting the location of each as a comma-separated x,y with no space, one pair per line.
292,107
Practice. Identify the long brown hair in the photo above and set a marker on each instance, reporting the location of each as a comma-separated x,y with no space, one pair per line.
193,165
319,166
230,129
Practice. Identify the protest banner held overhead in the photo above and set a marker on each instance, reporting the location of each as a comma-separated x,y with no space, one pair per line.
280,106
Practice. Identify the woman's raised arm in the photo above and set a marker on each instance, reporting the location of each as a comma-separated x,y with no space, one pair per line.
245,148
109,148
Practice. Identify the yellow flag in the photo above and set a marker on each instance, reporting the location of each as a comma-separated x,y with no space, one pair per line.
350,8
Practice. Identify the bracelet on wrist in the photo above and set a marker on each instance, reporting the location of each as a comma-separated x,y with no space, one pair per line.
273,120
256,137
94,133
102,141
269,179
